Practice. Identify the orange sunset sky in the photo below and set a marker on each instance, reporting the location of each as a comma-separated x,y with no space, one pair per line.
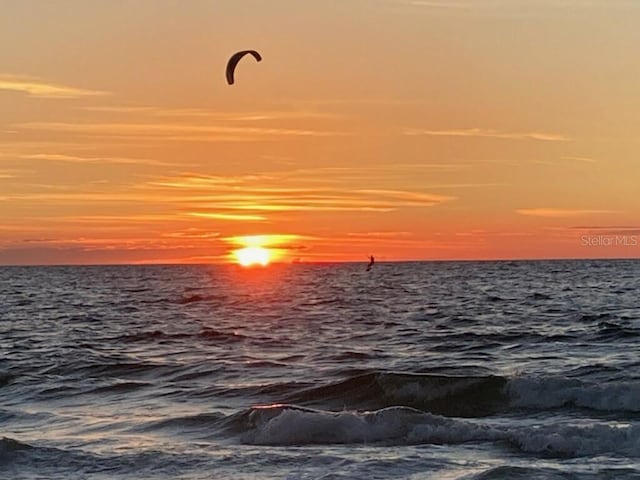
407,129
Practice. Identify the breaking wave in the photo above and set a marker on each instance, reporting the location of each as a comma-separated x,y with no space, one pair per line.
469,396
294,425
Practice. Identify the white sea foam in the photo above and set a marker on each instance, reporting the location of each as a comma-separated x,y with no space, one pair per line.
402,425
298,426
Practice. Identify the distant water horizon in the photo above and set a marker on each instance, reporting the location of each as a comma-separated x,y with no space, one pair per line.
314,262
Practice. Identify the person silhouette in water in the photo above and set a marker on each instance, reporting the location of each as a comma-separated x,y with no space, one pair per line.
371,261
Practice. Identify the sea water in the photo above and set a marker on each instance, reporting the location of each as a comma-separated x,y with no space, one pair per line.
425,370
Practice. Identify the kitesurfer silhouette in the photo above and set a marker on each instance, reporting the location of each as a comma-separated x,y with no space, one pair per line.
371,262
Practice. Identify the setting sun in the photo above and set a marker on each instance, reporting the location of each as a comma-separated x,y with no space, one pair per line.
253,256
260,249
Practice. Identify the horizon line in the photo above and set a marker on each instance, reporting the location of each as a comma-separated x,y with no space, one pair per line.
318,262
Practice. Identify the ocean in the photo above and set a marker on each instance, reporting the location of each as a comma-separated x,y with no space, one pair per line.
415,370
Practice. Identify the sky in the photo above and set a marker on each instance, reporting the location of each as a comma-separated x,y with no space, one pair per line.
406,129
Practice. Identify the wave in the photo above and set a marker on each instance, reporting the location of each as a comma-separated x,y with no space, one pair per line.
509,472
105,366
22,460
558,392
199,423
461,340
614,331
463,396
8,446
539,296
6,415
195,298
159,336
10,451
144,336
119,388
286,425
210,333
5,378
294,425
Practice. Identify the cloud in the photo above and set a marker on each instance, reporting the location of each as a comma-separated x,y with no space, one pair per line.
193,198
120,252
228,216
385,169
178,131
606,227
409,198
67,196
609,229
40,89
347,242
377,174
560,212
250,197
464,185
380,236
249,116
192,233
15,148
265,240
488,133
39,240
8,174
226,201
119,219
193,181
580,159
56,157
284,206
318,200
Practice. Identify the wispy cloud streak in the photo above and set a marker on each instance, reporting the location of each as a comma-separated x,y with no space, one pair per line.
609,229
488,133
560,212
228,216
581,159
57,157
248,116
41,89
178,131
258,195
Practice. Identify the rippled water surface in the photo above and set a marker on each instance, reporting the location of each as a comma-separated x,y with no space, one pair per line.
461,370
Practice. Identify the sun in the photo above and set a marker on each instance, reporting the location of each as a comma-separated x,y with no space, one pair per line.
249,256
259,250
